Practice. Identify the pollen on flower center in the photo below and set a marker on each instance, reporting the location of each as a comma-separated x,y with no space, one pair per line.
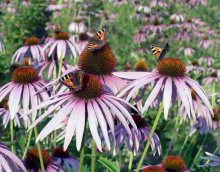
32,160
62,35
154,168
60,153
24,75
92,88
141,65
174,163
171,67
98,62
32,41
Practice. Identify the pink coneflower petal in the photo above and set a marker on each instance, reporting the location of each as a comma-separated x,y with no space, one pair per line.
130,75
53,46
4,164
167,97
153,94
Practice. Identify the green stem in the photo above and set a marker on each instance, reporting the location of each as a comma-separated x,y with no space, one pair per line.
199,151
184,143
130,160
12,135
190,144
28,143
213,91
93,157
150,137
39,151
82,152
60,67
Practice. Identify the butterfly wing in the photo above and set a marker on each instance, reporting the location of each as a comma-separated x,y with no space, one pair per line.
156,51
98,41
73,81
164,51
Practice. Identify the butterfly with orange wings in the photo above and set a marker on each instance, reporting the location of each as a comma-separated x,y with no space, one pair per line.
159,52
97,41
74,80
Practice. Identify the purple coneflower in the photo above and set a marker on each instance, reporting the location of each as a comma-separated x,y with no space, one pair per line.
200,125
21,91
187,51
132,141
140,37
83,41
9,162
159,3
53,6
169,164
195,68
170,85
177,17
206,42
143,8
65,160
31,48
207,60
155,27
61,46
26,3
101,62
88,104
77,26
141,66
189,24
183,35
213,78
5,113
32,161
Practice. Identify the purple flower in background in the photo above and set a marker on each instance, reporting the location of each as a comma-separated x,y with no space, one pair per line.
170,85
183,35
83,41
31,48
156,26
215,160
53,6
92,102
187,51
206,43
61,46
200,125
140,37
189,24
143,8
21,91
212,78
159,3
5,114
77,26
26,3
9,162
65,160
32,162
207,60
177,17
195,68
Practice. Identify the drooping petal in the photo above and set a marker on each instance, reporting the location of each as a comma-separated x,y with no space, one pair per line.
167,96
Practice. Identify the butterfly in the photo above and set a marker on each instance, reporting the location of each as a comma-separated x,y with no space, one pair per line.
58,28
160,52
97,41
74,80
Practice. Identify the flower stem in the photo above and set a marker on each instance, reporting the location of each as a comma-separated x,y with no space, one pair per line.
82,152
213,91
93,156
28,143
12,135
184,143
39,152
130,160
150,137
199,151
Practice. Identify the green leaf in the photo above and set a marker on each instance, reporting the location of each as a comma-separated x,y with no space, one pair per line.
108,164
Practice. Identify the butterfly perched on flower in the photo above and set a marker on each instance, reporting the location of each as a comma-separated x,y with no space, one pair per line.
74,80
159,52
97,41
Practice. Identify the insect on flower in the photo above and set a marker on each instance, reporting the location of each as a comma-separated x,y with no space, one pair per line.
74,80
98,41
159,52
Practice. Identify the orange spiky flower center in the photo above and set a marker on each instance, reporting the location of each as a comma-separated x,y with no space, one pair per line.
92,88
174,164
154,168
60,153
32,161
61,35
32,41
98,62
171,67
141,65
25,75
